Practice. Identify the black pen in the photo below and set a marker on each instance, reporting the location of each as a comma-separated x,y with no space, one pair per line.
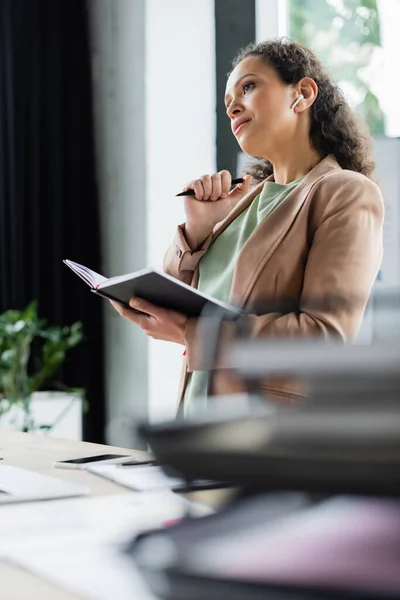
191,192
200,485
138,463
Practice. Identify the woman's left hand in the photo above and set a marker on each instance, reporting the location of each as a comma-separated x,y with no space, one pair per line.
158,323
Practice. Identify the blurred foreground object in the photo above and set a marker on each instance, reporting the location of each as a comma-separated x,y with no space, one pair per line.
343,438
318,512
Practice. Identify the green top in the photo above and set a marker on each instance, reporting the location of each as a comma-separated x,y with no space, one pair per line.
217,267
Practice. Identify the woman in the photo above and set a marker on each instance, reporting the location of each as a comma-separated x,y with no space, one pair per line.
305,225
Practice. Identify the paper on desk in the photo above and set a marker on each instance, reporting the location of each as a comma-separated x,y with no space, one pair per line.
22,485
86,568
139,478
112,517
74,543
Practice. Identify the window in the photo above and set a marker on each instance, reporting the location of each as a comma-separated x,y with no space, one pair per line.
358,42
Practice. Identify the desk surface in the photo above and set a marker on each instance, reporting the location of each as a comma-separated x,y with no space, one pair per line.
37,453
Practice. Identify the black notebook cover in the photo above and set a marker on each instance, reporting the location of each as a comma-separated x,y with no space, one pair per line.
155,287
161,290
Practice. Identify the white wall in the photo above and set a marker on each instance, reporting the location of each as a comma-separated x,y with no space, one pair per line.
180,142
271,19
154,97
387,153
118,46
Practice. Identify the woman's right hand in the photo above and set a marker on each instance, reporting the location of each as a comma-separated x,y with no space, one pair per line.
212,202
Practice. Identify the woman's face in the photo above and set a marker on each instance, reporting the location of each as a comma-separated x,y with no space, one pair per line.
258,105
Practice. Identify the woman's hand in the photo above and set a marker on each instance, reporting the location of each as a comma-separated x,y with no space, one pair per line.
158,323
212,202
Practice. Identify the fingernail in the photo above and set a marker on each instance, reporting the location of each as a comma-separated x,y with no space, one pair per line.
133,302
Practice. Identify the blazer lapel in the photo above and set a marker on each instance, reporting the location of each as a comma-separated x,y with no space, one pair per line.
269,234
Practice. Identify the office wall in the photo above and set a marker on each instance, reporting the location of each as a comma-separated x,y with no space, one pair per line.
154,88
271,17
118,49
387,156
180,135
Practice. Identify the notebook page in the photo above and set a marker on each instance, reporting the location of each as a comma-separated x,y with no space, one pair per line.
90,277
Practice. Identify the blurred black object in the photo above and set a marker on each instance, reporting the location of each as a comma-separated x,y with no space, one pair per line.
318,515
343,438
278,546
320,450
332,368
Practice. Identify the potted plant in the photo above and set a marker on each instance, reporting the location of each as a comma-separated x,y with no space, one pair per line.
24,372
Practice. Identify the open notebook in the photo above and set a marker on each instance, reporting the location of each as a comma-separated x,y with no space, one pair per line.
152,285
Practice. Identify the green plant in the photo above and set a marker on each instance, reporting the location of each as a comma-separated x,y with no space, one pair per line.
23,371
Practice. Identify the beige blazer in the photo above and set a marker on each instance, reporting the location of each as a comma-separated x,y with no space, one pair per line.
322,245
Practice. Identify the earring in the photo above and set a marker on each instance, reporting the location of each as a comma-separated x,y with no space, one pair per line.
295,103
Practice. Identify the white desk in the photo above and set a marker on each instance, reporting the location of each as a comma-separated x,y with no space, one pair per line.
38,453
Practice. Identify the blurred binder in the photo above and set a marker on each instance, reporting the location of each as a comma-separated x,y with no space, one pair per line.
342,547
318,449
318,516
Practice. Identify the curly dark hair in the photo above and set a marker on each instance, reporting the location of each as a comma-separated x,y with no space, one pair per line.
335,129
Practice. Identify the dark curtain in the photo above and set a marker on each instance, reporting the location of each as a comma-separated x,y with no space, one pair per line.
49,207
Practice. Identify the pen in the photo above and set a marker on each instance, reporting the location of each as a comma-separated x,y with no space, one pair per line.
191,192
200,485
138,463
